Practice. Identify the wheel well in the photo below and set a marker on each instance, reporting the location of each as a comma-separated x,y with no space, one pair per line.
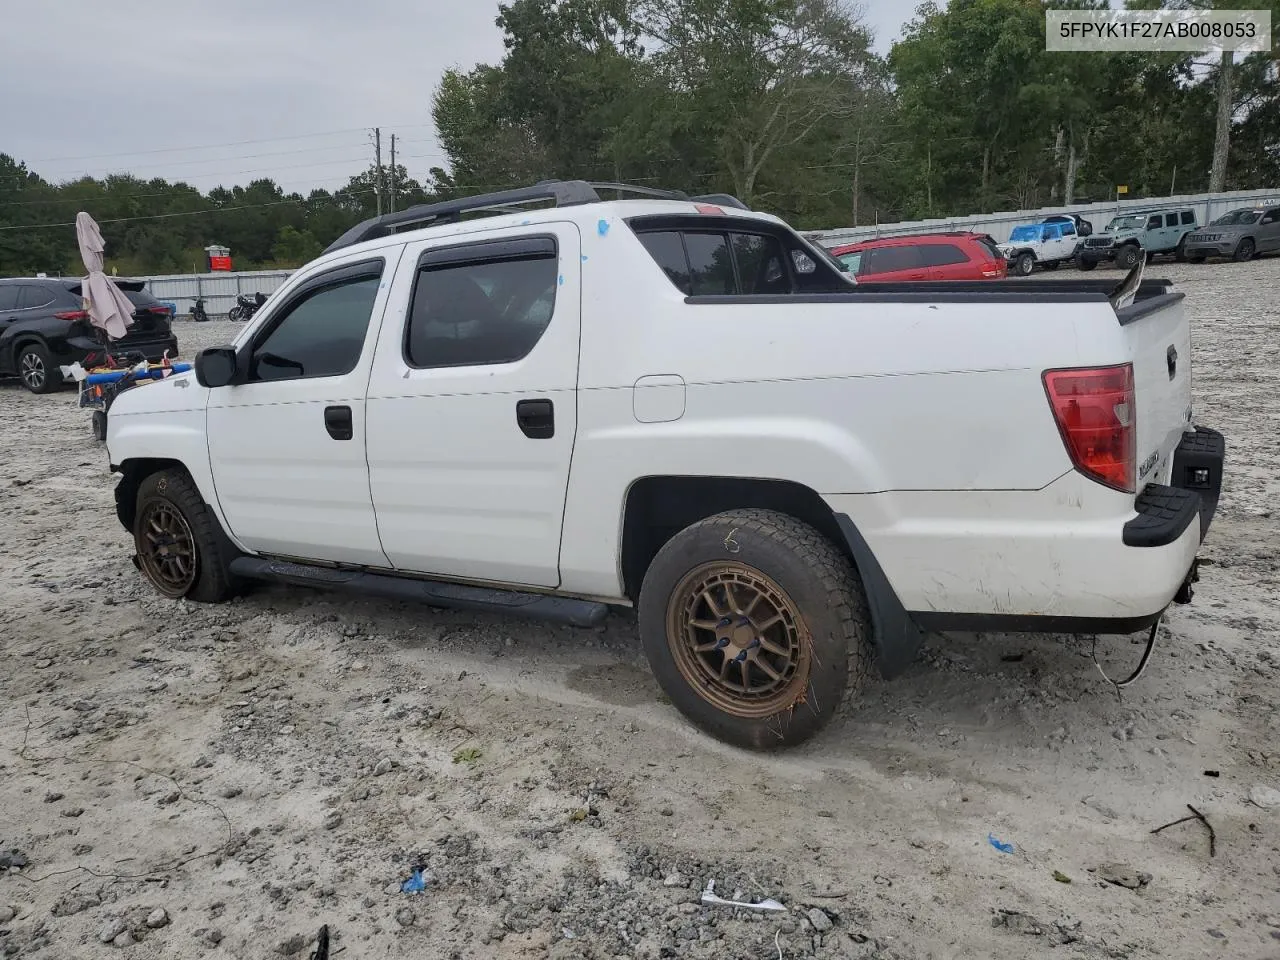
22,341
132,473
658,508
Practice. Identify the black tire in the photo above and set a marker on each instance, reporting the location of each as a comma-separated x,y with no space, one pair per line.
1196,259
1051,264
207,577
98,424
1023,264
1127,256
1245,250
36,368
236,314
1180,251
827,632
1087,264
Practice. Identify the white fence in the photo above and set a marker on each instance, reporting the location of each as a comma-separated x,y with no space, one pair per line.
218,290
1208,206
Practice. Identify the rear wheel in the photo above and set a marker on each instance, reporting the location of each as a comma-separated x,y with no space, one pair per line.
180,547
99,425
1024,264
755,627
1128,256
1180,251
37,370
1244,251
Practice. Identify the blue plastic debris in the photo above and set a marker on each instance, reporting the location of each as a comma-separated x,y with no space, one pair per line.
999,844
585,258
562,279
602,227
416,883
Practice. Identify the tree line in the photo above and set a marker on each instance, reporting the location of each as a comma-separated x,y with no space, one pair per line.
782,103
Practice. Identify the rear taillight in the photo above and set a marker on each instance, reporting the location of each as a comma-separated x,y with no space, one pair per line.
73,315
160,310
1096,415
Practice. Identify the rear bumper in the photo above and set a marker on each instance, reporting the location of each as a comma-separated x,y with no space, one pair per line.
1073,557
153,349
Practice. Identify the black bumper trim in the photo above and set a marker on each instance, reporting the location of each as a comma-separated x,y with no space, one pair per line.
1165,512
1028,623
1197,465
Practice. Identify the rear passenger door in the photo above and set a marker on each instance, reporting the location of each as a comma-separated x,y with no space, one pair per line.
1269,231
472,405
947,261
892,264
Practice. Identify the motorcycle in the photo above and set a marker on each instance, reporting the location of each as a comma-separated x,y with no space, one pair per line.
198,313
246,306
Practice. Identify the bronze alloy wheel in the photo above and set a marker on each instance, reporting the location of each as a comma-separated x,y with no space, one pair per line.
167,549
739,640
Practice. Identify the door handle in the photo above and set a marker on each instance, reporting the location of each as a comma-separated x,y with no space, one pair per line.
337,420
915,276
536,419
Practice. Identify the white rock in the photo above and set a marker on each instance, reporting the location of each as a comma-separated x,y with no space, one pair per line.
1268,798
111,929
157,918
821,922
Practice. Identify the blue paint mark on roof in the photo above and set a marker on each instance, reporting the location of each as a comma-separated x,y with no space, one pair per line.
602,228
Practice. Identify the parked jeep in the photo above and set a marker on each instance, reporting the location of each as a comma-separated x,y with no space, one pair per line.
1128,236
1239,234
1046,244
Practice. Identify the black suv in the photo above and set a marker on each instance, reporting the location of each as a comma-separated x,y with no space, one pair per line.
43,325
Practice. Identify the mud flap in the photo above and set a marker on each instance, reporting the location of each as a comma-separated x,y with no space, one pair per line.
897,639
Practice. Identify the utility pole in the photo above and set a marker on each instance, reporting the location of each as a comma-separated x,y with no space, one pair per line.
392,198
377,178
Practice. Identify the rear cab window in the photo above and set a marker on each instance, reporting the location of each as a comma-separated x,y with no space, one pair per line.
735,257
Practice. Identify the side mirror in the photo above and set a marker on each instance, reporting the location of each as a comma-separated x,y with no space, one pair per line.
216,366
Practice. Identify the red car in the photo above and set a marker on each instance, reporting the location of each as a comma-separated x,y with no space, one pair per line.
925,256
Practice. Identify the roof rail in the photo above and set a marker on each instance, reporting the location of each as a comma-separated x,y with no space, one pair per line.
564,193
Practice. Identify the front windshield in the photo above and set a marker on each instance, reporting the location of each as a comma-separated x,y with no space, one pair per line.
1023,234
1237,217
1134,222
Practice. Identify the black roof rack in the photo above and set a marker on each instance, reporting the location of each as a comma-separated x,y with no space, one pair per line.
564,193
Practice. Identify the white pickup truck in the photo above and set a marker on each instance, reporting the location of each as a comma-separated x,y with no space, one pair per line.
683,406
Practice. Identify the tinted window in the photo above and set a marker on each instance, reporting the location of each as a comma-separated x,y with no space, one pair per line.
1188,218
989,245
761,267
710,265
321,334
32,296
1153,223
1271,216
852,261
486,312
887,259
8,296
1170,219
941,254
667,250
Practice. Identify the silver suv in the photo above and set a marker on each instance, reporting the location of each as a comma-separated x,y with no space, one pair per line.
1239,234
1129,235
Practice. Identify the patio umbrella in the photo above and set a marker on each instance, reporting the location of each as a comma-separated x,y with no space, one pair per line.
109,309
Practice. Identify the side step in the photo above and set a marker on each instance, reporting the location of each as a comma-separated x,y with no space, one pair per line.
577,613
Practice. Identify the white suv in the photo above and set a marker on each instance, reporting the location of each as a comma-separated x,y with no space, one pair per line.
684,406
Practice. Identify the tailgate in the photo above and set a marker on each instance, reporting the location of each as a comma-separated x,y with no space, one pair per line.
1157,334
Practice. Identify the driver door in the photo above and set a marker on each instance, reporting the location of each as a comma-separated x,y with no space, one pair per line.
287,443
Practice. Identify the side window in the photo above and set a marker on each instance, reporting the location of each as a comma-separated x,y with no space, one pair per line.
710,264
480,312
29,296
1170,219
1068,229
761,267
941,254
667,250
1153,223
889,259
1188,218
321,334
8,296
853,261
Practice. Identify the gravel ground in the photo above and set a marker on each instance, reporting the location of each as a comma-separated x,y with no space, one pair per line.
183,781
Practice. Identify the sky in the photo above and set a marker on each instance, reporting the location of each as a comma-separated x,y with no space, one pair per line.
220,92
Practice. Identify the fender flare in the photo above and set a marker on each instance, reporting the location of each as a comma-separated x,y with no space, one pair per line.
896,636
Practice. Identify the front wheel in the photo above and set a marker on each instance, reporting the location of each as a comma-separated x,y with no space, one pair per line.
756,627
1128,256
1244,251
181,549
1024,264
236,314
1180,251
1087,264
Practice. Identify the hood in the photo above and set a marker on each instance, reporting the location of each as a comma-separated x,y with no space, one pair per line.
175,394
1226,229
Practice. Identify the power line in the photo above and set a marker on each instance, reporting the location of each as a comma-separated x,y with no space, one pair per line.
166,216
210,146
